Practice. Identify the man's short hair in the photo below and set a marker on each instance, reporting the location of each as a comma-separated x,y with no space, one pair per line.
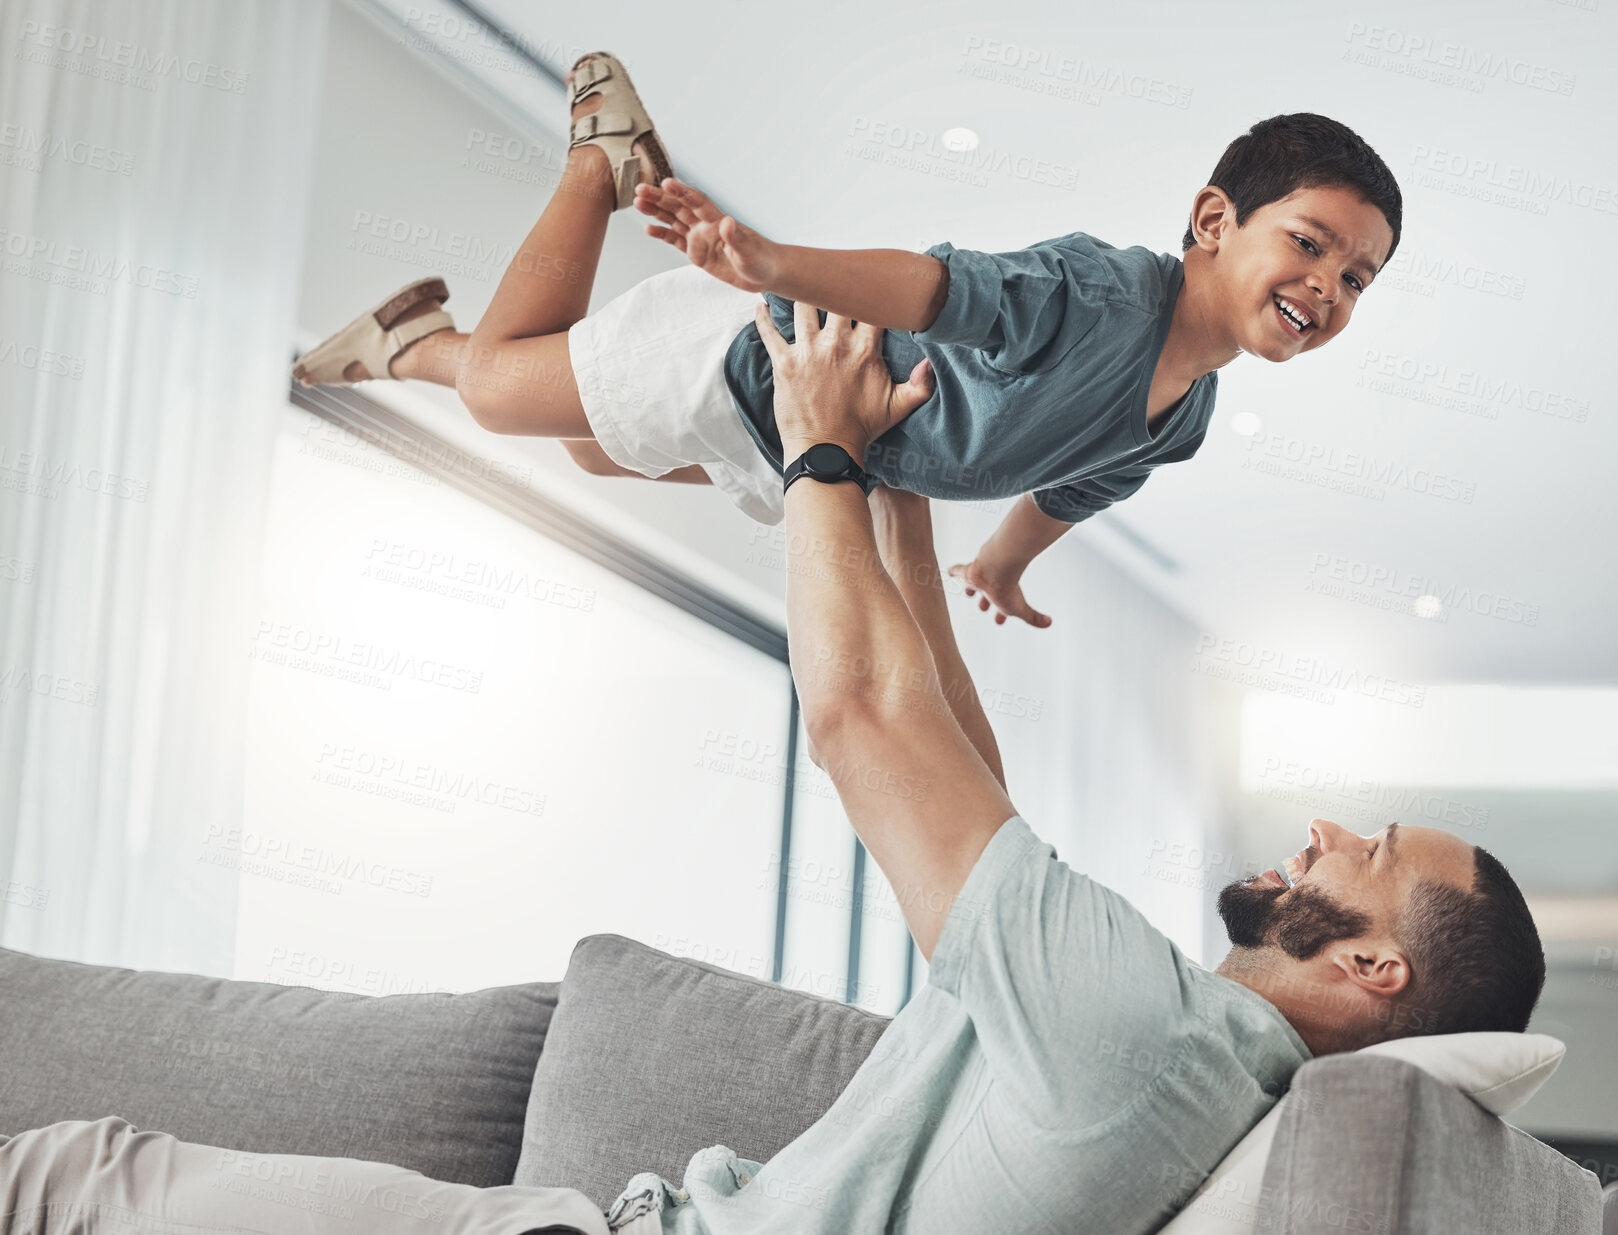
1476,962
1281,155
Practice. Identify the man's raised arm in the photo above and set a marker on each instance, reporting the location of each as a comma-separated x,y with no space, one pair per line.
904,535
920,796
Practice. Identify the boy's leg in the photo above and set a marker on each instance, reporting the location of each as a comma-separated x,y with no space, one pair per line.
513,372
587,453
439,358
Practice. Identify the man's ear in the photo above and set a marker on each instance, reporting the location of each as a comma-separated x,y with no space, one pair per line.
1377,969
1211,214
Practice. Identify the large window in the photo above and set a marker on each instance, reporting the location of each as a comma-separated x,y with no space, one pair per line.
472,746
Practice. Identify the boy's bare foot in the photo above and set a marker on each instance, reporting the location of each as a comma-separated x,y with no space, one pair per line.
590,163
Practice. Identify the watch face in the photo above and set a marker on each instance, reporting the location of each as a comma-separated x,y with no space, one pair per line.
825,457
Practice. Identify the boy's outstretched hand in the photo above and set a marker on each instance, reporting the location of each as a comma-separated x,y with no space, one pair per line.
1001,586
716,242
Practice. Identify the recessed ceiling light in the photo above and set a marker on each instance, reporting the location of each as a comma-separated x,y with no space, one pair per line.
959,140
1428,606
1245,423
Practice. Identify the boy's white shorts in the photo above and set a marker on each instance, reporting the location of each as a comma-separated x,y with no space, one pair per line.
649,366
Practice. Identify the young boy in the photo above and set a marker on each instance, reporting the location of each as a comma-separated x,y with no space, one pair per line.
1061,373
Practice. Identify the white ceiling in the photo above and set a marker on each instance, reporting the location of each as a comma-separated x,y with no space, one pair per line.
765,107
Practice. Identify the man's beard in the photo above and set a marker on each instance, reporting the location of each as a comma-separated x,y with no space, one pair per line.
1306,923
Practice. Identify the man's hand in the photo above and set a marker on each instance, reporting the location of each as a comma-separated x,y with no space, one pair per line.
1001,585
713,241
832,385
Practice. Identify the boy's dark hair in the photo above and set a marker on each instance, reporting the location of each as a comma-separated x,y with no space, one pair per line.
1475,958
1279,156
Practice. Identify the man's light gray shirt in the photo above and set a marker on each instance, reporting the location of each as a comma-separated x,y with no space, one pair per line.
1065,1068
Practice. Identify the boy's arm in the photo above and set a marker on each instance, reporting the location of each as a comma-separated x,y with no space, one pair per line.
1025,533
1028,530
1023,309
891,288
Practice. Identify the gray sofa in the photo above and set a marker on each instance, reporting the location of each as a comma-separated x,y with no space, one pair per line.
637,1059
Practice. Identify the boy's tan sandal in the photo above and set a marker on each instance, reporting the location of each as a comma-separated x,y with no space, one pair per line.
376,337
621,122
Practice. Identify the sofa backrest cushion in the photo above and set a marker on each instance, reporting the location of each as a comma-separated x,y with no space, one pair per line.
434,1082
1378,1144
651,1057
1498,1071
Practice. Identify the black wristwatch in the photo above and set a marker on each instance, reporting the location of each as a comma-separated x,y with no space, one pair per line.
826,461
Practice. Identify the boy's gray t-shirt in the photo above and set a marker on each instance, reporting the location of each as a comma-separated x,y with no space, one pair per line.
1043,359
1065,1068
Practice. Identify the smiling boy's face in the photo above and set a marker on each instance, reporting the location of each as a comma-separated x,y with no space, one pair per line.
1315,252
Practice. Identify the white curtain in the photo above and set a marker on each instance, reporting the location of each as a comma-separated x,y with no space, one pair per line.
154,164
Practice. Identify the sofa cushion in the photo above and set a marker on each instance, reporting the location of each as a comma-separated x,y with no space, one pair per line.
651,1057
434,1082
1382,1146
1498,1071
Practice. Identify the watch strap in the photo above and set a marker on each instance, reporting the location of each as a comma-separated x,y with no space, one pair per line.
850,470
